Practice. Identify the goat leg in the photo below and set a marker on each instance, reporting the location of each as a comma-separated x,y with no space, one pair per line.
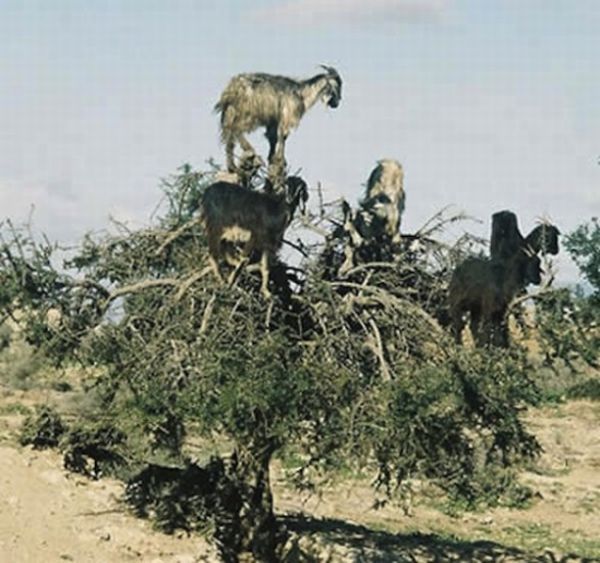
236,272
348,260
229,148
457,326
271,135
246,146
215,267
264,270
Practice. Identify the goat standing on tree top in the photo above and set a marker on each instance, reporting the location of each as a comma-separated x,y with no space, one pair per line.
276,103
376,224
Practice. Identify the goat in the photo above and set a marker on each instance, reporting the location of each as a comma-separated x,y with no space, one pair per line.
276,103
506,239
484,288
544,239
374,228
385,197
231,213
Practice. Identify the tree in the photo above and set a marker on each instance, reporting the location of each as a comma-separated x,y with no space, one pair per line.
567,320
342,372
583,244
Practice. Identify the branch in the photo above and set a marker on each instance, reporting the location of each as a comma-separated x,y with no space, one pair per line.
140,286
176,234
522,298
375,344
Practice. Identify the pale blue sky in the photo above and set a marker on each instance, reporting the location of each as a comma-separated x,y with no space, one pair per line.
489,104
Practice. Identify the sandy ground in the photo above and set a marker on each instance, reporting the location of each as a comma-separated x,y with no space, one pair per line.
48,515
562,523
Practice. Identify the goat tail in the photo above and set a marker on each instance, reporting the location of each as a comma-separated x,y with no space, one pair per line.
228,97
222,105
221,108
225,108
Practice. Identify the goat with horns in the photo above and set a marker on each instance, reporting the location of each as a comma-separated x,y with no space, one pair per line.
276,103
485,288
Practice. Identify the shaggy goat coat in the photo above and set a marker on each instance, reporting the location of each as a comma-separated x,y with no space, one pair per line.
276,103
385,197
232,213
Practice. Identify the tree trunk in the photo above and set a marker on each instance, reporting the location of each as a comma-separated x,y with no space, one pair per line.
251,534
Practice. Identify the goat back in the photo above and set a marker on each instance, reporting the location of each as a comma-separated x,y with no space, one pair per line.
225,204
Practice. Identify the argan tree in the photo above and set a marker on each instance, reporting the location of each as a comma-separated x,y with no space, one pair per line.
340,372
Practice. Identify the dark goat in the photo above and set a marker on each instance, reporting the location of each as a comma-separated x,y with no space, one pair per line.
506,238
484,288
544,239
233,213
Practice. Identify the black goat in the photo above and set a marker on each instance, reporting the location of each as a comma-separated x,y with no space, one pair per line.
232,213
507,239
484,288
544,239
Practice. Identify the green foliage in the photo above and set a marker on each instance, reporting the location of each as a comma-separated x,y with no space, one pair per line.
94,449
350,372
588,389
492,487
583,244
569,328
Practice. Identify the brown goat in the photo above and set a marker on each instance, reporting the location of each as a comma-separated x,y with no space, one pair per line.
484,288
234,214
385,197
374,227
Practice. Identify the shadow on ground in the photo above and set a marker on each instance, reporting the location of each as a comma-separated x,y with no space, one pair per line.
332,540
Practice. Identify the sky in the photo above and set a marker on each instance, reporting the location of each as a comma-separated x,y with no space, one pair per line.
488,105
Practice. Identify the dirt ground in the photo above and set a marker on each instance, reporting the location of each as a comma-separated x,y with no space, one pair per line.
48,515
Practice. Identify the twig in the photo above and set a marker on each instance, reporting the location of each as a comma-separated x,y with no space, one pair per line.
190,281
376,346
176,234
139,286
207,313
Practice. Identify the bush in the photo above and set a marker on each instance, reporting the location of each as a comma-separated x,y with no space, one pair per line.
42,430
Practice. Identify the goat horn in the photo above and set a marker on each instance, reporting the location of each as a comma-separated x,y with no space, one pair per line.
329,69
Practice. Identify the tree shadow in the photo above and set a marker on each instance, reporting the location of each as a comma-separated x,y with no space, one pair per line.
358,543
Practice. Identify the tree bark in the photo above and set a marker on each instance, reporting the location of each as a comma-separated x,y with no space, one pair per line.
253,532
